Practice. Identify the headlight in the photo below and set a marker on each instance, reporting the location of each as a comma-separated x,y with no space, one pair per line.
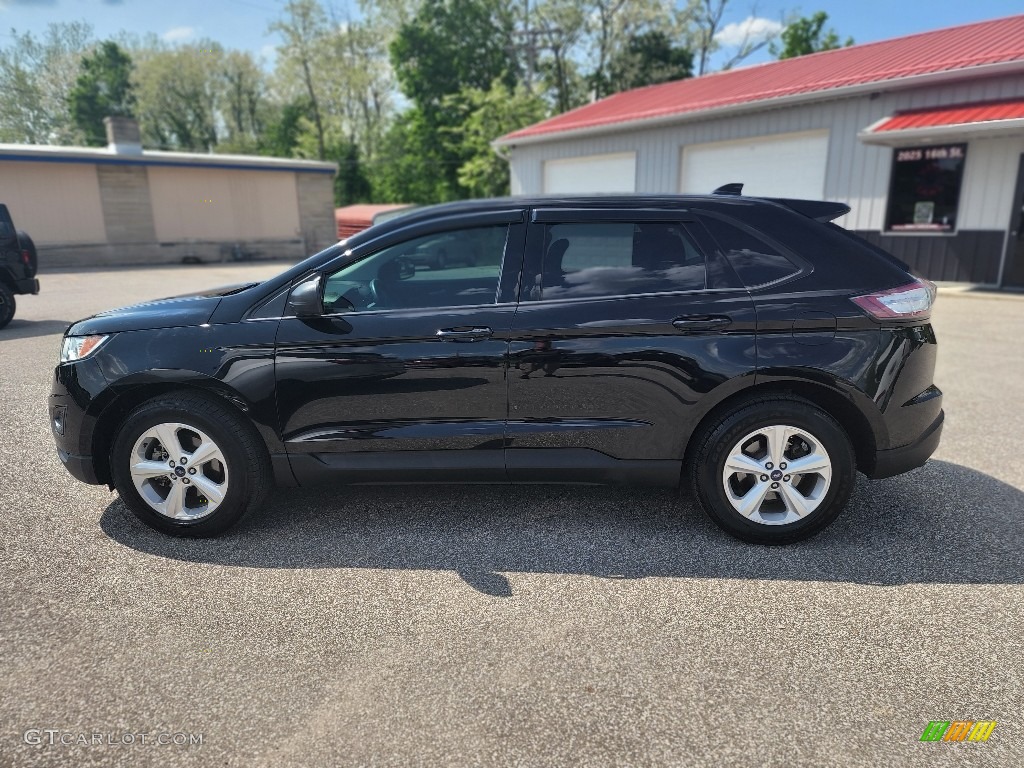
80,347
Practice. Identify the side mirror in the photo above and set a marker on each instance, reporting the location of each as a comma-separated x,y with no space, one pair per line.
306,298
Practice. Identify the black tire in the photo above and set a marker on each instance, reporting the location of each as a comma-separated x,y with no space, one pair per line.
27,244
7,305
715,442
248,465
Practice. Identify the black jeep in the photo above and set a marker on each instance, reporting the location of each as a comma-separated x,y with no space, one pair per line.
18,264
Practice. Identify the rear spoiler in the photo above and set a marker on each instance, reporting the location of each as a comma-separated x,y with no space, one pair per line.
819,210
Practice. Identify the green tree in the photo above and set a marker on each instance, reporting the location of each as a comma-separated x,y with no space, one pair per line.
808,35
103,89
179,94
244,99
304,29
484,116
36,79
648,59
450,45
411,166
283,128
351,185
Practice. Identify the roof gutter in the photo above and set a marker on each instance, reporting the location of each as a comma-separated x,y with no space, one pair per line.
878,86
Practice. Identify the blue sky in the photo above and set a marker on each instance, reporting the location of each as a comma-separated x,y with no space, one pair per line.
243,23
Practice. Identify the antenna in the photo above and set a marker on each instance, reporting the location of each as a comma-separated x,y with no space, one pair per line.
736,188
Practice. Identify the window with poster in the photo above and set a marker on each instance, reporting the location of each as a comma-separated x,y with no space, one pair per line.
924,192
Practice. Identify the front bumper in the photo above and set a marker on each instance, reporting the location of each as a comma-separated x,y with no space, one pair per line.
70,408
80,467
896,461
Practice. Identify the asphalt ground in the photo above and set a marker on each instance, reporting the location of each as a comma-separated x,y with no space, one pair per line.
501,626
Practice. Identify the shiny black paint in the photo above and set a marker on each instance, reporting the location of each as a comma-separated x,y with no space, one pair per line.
581,390
579,369
384,381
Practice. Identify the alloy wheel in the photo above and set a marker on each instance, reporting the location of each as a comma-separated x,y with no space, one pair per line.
179,471
777,475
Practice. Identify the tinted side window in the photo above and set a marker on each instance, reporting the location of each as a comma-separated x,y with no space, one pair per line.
617,258
755,261
445,269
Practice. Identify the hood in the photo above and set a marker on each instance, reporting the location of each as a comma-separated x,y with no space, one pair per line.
194,309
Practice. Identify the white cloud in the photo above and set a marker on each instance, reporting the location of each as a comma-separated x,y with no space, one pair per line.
177,34
752,29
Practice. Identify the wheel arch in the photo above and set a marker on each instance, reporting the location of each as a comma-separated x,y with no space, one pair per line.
865,436
131,396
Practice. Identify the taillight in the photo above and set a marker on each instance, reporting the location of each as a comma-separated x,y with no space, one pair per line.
904,303
26,258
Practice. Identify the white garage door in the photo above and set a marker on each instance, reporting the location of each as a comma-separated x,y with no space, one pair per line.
785,165
594,173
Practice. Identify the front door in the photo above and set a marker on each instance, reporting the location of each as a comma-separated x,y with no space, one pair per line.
1013,272
406,368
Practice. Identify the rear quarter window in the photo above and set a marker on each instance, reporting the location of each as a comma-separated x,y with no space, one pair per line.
756,261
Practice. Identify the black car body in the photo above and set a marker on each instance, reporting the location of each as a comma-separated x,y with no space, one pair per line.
596,340
18,261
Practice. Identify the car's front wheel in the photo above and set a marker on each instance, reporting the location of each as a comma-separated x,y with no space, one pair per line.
189,466
774,471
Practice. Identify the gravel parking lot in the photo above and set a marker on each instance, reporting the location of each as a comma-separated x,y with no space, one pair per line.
512,626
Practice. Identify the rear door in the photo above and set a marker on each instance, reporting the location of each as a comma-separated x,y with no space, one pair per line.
625,329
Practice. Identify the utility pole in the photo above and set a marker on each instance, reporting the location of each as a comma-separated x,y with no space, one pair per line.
532,42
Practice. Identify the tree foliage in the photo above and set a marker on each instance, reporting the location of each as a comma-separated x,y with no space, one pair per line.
808,35
37,76
179,92
103,89
451,45
648,59
483,116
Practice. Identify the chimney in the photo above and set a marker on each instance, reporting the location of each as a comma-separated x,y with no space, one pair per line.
123,136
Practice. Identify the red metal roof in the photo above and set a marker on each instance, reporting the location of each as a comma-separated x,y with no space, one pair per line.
960,114
972,45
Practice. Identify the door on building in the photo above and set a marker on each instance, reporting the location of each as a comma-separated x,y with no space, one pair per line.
1013,271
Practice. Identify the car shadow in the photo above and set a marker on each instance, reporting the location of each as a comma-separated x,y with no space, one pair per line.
27,329
943,523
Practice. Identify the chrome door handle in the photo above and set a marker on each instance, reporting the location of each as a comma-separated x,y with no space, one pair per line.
701,322
464,334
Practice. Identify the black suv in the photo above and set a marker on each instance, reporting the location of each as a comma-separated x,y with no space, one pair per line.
745,348
18,262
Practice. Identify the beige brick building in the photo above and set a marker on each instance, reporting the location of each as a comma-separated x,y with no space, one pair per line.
125,205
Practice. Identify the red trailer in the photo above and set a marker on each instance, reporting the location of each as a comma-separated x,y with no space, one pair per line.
355,218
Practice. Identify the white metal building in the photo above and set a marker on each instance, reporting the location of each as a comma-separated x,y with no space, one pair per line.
923,136
123,205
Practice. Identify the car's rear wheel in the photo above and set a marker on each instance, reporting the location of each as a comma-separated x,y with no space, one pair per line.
774,471
7,305
189,466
